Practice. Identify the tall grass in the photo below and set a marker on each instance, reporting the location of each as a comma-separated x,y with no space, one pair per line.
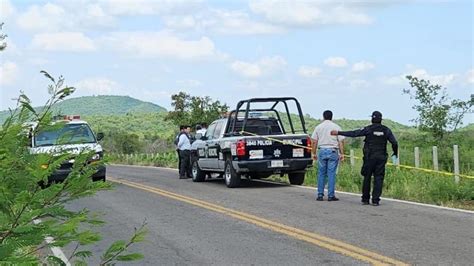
406,184
166,159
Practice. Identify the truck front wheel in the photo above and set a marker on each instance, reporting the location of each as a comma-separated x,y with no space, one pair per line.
296,178
197,174
231,177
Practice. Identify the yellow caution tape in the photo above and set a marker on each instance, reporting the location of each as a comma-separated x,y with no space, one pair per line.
356,157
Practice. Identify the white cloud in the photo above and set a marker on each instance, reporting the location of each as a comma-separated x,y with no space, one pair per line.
470,76
42,18
336,62
149,7
7,10
440,79
63,41
71,16
309,72
221,22
98,85
181,22
161,44
262,67
309,13
8,73
362,66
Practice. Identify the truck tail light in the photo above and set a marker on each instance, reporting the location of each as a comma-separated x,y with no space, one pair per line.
241,148
309,143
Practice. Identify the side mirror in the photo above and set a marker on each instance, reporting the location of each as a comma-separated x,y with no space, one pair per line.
100,136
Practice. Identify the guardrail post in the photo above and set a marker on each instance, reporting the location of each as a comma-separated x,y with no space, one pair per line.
435,158
417,157
456,163
352,159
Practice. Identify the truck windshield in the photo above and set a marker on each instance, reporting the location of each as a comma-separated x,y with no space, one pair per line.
68,134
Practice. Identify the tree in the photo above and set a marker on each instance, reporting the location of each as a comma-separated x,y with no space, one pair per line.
437,113
193,110
31,211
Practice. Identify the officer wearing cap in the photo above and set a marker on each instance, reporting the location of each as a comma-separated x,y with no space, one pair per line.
375,155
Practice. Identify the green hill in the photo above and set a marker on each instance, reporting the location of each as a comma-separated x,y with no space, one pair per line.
101,105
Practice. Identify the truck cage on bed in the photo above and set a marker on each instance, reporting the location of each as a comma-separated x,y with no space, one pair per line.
233,116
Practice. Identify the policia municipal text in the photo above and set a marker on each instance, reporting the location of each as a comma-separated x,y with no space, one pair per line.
375,155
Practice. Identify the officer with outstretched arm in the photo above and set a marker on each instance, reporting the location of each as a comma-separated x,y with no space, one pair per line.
375,155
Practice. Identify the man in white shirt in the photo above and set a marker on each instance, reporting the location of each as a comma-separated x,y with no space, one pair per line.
327,150
184,147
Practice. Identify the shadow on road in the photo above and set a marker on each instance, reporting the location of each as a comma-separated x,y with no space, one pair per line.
246,183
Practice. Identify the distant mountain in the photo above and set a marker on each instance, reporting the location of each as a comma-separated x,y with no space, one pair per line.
101,105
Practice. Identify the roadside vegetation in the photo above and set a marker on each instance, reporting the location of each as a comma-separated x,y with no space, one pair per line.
32,210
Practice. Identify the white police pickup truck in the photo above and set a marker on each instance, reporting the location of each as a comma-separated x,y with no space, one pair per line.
73,136
250,143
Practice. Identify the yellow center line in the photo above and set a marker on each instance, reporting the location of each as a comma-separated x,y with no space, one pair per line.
316,239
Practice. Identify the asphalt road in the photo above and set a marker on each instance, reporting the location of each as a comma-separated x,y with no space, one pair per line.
264,223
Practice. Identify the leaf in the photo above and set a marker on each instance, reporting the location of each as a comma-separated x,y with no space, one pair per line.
140,235
130,257
55,260
80,263
117,246
83,254
46,74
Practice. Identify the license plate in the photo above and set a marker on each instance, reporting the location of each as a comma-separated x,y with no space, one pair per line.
298,153
278,163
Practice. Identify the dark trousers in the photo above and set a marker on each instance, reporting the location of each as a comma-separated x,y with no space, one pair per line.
185,164
179,162
373,166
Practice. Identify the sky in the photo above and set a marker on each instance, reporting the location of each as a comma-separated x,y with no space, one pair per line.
350,57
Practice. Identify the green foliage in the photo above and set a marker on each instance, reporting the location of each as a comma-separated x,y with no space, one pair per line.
134,133
31,210
437,113
118,248
193,110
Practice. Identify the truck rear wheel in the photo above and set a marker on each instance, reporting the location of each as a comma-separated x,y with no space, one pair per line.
296,178
197,174
231,177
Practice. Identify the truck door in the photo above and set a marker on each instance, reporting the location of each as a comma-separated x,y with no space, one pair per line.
214,147
203,151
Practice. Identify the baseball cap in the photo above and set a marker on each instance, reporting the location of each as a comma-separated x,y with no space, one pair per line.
377,115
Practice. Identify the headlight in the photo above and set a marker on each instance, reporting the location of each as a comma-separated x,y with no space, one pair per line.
96,157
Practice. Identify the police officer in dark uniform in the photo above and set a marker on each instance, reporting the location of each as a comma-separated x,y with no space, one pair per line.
375,155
